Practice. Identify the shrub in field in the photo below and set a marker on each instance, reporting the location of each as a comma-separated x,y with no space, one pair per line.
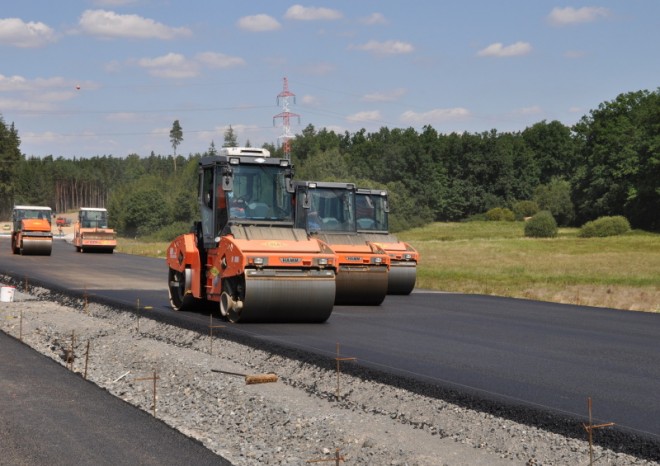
605,226
498,214
522,209
541,225
556,197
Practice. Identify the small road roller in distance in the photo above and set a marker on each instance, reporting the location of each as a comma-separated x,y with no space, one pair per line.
31,230
91,231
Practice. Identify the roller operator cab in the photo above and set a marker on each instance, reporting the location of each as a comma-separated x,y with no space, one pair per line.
91,231
327,211
32,230
372,222
246,254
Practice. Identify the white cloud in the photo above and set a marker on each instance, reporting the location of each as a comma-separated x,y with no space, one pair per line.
25,105
390,47
219,60
47,138
299,12
319,69
176,65
13,83
389,96
499,50
437,115
17,33
372,115
113,3
259,23
570,15
310,100
374,18
172,65
55,84
574,54
110,24
533,110
125,117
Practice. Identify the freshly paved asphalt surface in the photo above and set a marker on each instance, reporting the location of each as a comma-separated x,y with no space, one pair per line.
51,416
543,355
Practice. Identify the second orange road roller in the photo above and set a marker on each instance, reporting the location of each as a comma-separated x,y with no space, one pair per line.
328,211
246,256
91,231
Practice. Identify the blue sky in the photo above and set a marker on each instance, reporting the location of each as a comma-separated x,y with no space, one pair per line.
81,78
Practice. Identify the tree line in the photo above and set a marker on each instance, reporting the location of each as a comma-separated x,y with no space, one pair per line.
606,164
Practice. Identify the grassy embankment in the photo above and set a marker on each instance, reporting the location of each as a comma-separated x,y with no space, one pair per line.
495,258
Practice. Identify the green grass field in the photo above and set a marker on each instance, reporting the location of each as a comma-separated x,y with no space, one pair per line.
495,258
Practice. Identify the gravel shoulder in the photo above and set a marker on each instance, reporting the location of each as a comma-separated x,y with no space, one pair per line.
293,421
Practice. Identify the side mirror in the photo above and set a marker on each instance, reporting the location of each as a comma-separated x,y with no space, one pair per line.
288,175
307,202
227,179
227,183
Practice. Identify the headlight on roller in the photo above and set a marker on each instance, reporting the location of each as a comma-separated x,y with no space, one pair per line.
258,261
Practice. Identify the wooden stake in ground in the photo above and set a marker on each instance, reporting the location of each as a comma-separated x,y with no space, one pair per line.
211,327
154,378
86,360
70,356
146,308
336,459
340,359
590,428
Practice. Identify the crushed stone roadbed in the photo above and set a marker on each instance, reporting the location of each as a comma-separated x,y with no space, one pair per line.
310,413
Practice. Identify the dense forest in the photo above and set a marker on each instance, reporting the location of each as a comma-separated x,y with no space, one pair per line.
606,164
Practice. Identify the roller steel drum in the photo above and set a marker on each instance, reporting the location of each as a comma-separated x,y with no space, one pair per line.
271,297
36,246
361,285
402,278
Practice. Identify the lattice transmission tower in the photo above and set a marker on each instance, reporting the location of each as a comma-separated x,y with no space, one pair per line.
283,100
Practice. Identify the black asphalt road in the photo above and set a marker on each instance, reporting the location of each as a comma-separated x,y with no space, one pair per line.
51,416
539,354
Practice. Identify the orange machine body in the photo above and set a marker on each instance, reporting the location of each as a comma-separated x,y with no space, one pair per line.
31,231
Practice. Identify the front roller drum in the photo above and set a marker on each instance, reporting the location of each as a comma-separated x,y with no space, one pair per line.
402,278
36,247
269,296
361,286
